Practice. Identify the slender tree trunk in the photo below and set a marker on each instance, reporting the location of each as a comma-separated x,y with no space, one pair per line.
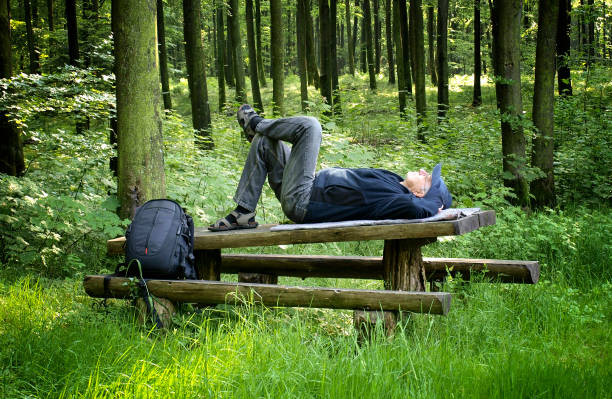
477,94
163,55
334,56
325,78
140,144
33,51
350,52
442,58
11,146
229,53
73,38
543,189
252,56
389,38
591,44
564,78
367,26
405,38
260,65
278,71
300,23
50,16
416,19
355,29
241,95
311,58
363,42
377,34
221,54
431,37
196,73
506,22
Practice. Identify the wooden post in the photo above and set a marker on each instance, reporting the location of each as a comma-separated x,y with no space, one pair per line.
208,264
258,278
403,271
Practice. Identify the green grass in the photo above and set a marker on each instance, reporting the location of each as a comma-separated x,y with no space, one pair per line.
548,340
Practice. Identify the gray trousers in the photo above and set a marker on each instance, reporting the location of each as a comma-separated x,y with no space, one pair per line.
290,172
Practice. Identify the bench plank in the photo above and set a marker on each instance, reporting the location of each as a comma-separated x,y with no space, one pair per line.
262,236
370,267
214,292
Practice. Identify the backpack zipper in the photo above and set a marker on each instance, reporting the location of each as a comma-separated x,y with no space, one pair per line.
150,230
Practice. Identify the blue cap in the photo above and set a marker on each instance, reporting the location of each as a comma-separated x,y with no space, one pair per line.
438,192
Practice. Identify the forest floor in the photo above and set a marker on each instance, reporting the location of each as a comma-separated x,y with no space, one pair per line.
552,339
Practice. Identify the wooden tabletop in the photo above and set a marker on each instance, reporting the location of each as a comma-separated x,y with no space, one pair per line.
262,236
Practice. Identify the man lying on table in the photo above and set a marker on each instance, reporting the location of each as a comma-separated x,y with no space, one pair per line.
330,195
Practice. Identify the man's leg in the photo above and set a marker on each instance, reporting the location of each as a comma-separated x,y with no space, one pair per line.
304,133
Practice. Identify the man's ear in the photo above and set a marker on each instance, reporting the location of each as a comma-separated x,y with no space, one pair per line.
419,194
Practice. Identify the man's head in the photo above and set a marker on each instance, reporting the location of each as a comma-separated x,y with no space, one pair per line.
429,186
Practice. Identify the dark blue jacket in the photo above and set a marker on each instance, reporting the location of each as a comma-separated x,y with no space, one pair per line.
371,194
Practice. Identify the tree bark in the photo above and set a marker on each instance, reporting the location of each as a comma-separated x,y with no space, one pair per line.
238,63
334,56
257,103
11,146
363,46
260,65
350,52
543,189
196,73
140,144
50,16
377,31
229,53
300,19
405,40
416,19
33,51
278,69
163,55
506,22
367,26
477,94
73,36
431,38
389,38
221,54
442,57
564,77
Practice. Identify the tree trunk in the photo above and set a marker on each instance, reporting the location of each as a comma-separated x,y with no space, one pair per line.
543,189
325,78
416,20
367,26
300,23
591,44
33,51
477,94
196,73
140,144
355,29
278,69
334,56
260,65
506,22
11,146
241,96
442,57
405,40
431,48
221,54
311,58
73,36
163,55
389,37
363,47
377,35
350,52
254,76
50,16
229,53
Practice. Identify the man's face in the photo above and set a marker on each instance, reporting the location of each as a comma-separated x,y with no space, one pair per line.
418,182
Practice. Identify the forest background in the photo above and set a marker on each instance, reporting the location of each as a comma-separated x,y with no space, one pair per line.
514,98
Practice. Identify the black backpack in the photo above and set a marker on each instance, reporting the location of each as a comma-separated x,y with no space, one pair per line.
160,237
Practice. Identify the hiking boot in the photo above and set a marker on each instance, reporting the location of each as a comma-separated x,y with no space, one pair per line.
245,114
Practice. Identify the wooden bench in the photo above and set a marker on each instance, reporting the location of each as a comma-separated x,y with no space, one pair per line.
402,268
